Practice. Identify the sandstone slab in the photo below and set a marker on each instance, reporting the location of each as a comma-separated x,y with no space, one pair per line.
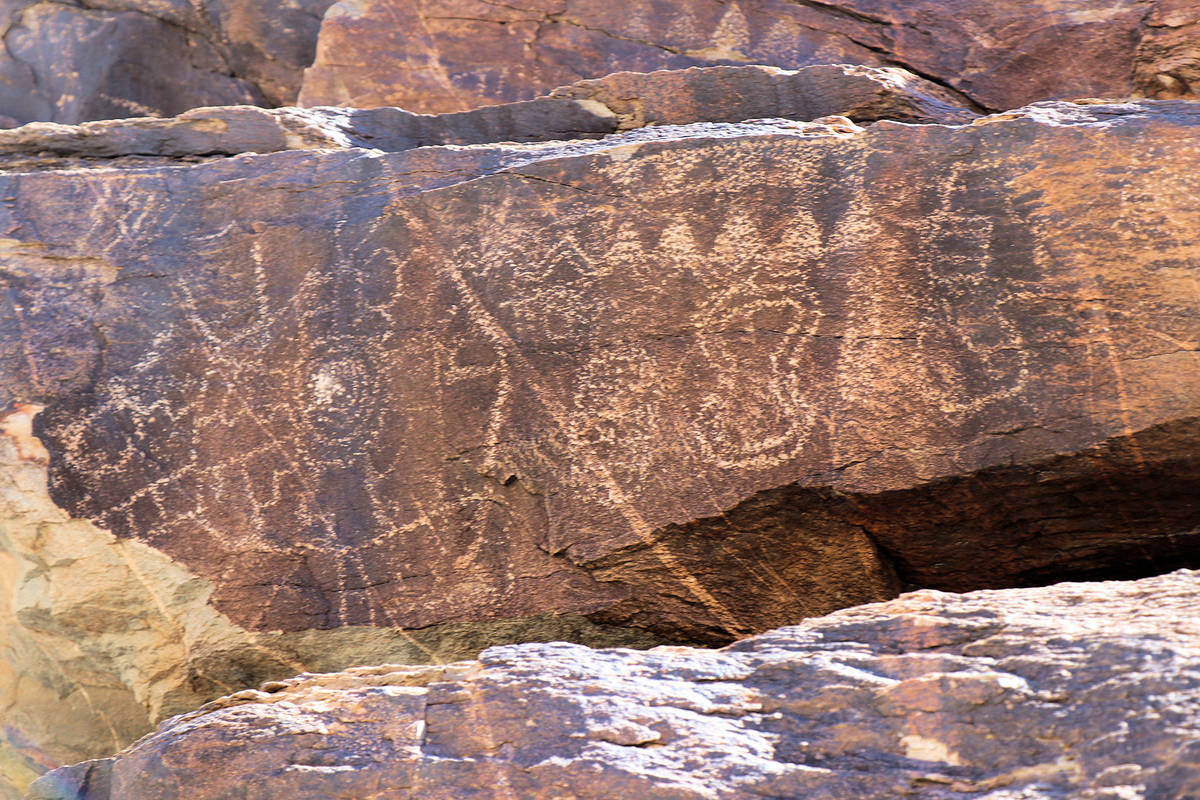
1071,691
448,55
67,61
77,683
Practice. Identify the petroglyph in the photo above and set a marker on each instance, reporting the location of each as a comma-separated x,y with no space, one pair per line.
686,382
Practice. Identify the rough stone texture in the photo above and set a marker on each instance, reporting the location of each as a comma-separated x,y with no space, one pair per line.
699,380
734,94
113,635
1081,691
69,61
448,55
589,109
101,638
685,383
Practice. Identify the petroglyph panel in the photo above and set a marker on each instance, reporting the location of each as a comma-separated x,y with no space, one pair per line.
402,390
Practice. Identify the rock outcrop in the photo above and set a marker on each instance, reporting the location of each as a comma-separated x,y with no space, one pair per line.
448,55
74,60
588,109
320,403
1076,690
697,380
683,383
103,637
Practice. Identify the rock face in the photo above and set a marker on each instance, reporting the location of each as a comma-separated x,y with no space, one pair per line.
448,55
1073,691
645,379
698,381
69,61
317,404
158,647
101,637
588,109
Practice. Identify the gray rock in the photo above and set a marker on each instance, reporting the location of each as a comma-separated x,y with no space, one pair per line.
589,109
70,61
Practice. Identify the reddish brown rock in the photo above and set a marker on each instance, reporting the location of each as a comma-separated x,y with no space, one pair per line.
448,55
698,380
1072,691
588,109
69,61
734,94
158,647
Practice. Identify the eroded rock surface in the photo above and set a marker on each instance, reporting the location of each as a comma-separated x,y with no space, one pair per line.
661,379
448,55
684,383
101,638
588,109
71,60
1071,691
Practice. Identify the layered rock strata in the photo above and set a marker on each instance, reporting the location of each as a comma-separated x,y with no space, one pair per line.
685,382
587,109
74,60
1076,690
448,55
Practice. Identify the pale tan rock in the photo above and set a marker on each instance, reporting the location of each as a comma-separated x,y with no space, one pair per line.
1088,691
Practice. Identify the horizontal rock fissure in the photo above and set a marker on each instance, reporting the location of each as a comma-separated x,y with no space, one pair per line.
588,109
1128,508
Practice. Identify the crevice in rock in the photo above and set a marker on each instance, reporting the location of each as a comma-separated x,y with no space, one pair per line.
1127,508
585,110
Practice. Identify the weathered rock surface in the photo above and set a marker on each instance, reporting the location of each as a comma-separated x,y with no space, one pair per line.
448,55
101,638
684,383
158,648
1072,691
648,372
588,109
74,60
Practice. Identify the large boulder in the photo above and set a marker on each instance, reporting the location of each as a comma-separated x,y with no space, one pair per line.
447,55
314,407
1073,691
69,61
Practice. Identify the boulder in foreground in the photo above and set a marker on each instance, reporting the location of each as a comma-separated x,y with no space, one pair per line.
1070,691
